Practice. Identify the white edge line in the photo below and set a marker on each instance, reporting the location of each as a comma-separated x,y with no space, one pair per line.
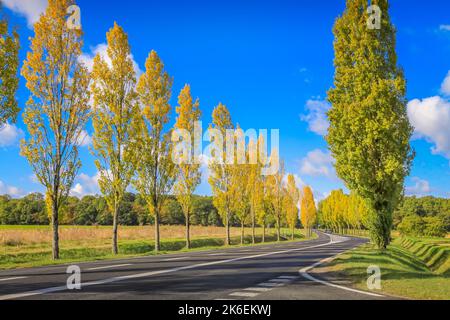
304,272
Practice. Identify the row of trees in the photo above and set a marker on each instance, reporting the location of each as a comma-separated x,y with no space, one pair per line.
343,213
426,216
132,141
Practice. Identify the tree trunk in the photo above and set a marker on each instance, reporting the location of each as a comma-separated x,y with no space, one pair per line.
55,225
157,237
253,228
278,230
227,239
242,233
293,230
188,231
381,229
264,233
115,247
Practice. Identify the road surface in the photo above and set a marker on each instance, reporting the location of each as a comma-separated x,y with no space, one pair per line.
266,272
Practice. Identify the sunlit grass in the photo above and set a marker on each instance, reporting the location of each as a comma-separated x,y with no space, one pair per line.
404,274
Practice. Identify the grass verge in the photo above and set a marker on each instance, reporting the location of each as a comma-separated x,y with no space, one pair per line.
404,274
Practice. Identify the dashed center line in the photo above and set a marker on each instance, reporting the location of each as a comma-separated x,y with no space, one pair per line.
271,284
11,279
281,280
263,287
175,259
244,294
258,289
110,267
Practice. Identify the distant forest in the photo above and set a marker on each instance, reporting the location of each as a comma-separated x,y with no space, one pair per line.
412,216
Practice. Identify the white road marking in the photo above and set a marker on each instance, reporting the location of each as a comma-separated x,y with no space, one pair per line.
217,254
110,267
288,277
244,294
305,274
281,280
155,273
271,284
258,289
11,279
224,299
175,259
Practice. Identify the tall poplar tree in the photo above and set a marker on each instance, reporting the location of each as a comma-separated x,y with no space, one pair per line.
155,168
255,184
116,122
221,173
291,207
308,210
9,79
188,173
369,133
58,108
240,187
277,192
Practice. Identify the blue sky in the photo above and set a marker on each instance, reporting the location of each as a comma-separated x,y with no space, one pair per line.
271,63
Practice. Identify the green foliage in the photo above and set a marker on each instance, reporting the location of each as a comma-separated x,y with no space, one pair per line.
417,226
369,133
9,80
93,210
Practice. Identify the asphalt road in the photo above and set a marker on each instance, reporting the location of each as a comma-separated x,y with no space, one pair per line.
268,272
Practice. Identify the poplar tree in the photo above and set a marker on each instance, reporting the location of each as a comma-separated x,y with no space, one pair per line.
221,173
255,184
188,173
264,208
116,122
308,210
155,168
240,192
277,192
369,134
9,80
58,107
292,200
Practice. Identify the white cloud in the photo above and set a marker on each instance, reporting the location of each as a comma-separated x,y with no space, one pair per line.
84,140
101,49
86,185
30,9
10,190
10,135
318,163
317,117
444,27
420,188
445,88
431,120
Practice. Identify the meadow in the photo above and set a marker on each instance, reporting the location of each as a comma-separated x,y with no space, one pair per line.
30,246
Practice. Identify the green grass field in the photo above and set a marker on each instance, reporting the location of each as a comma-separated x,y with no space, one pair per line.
30,246
406,268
